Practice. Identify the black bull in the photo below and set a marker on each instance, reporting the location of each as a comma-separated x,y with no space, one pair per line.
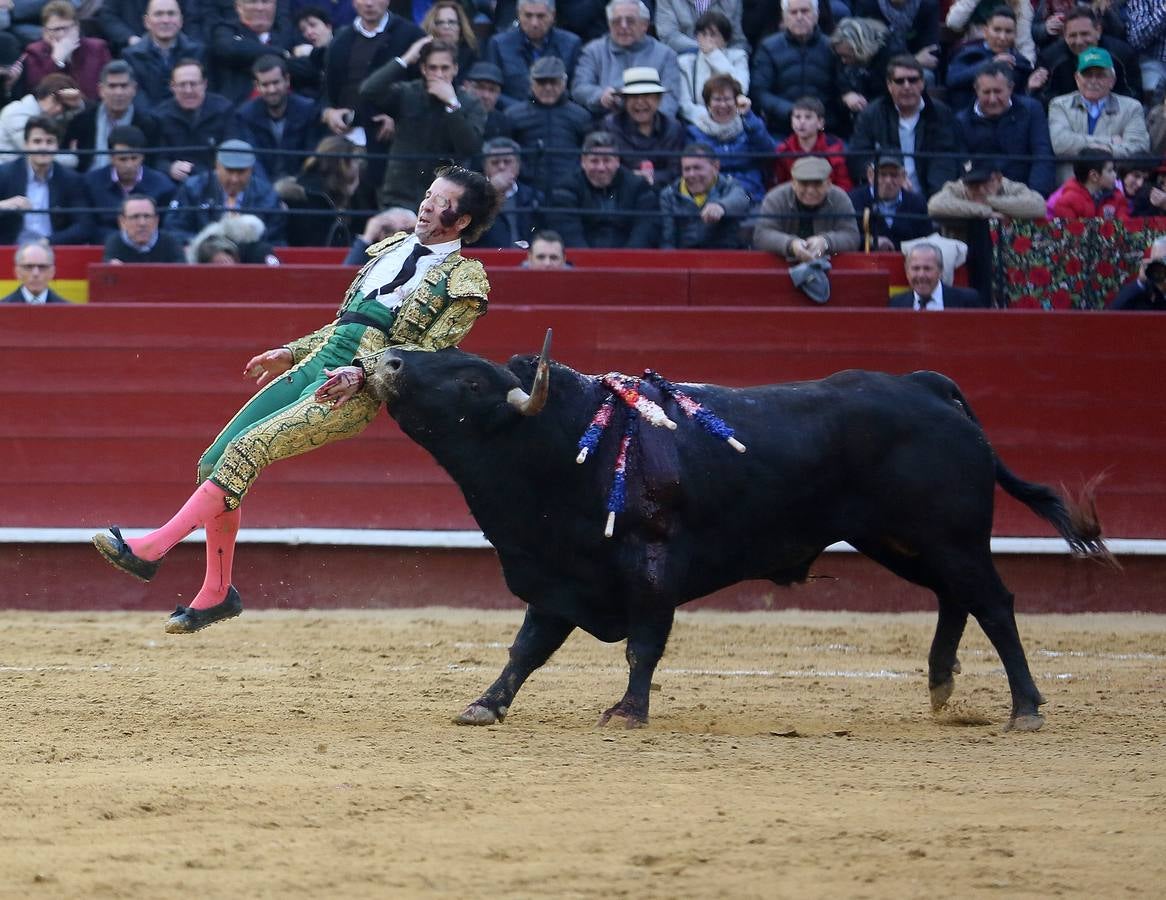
897,466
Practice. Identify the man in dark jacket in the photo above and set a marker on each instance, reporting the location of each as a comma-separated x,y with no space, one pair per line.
126,175
279,119
1009,127
794,63
515,50
549,127
937,151
39,199
436,122
193,118
603,204
1147,292
897,213
34,267
163,44
92,128
484,81
515,222
702,209
137,238
253,31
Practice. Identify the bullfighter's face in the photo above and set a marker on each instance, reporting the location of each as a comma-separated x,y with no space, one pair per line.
438,220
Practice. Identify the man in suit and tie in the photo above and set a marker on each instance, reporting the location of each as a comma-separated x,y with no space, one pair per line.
35,268
928,292
33,185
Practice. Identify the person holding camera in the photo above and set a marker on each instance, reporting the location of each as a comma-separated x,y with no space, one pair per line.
1147,292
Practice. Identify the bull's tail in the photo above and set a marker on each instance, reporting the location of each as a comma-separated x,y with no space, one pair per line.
1074,517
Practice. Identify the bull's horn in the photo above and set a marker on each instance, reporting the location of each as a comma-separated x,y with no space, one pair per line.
532,404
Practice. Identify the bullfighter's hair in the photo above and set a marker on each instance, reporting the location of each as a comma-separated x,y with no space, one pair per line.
479,199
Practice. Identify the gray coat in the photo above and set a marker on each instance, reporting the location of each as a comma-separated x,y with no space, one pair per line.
676,23
602,63
778,216
1121,129
682,228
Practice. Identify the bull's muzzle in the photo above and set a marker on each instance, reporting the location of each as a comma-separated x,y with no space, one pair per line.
532,404
382,384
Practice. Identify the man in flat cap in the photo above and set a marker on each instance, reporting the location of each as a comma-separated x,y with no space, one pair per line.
807,218
897,213
549,126
484,81
232,187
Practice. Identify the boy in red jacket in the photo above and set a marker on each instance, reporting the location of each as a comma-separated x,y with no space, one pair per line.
808,120
1090,193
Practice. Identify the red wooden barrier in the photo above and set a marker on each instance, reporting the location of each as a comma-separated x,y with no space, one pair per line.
125,397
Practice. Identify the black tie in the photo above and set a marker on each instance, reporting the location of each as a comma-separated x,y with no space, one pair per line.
923,301
408,270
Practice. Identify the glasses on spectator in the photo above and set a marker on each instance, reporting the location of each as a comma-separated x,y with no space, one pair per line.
625,20
38,267
907,79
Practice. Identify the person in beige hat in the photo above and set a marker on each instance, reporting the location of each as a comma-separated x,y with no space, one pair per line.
649,140
807,218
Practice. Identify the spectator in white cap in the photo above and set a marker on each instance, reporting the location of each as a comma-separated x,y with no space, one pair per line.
627,45
232,187
807,218
649,140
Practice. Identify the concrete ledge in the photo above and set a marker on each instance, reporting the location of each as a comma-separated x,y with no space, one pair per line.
475,540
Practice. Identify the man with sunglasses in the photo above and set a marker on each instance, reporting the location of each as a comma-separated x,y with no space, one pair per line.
35,268
921,130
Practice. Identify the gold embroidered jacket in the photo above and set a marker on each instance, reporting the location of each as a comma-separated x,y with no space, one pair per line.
438,313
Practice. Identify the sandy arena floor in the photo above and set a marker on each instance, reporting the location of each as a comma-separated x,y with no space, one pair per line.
790,754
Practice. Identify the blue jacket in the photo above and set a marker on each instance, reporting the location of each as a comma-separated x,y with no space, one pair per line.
1022,131
205,202
961,75
153,72
66,189
106,195
213,123
301,131
512,52
746,157
784,70
682,228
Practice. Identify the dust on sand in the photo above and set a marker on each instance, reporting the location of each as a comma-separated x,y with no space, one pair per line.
790,754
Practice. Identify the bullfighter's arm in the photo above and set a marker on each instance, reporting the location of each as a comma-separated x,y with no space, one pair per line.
302,347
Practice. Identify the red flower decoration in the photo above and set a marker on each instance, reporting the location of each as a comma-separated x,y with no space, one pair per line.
1040,277
1026,301
1021,243
1017,277
1105,268
1061,299
1106,229
1075,227
1073,265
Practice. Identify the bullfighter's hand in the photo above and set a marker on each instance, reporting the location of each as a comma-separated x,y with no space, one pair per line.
342,385
267,366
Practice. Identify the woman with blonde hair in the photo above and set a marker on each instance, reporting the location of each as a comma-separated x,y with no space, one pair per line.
863,47
447,21
329,181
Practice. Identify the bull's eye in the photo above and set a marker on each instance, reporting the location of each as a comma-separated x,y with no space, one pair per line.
472,385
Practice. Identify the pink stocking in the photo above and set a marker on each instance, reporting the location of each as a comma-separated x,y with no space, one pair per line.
220,556
208,501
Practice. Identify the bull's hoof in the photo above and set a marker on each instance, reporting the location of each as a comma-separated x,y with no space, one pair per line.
1029,722
955,666
632,718
480,714
941,693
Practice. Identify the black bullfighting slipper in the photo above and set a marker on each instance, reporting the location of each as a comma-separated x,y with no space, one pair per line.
119,555
185,620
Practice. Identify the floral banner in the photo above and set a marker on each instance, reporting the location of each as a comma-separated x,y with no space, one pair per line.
1066,263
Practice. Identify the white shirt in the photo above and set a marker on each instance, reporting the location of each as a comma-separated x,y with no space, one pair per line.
358,24
907,128
37,223
30,297
388,265
936,301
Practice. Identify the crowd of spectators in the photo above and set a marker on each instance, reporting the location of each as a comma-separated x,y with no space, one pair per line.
803,127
